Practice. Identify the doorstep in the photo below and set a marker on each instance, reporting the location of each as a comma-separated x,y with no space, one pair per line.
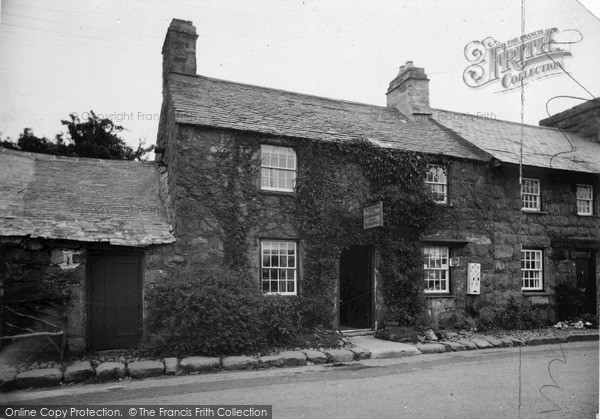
384,348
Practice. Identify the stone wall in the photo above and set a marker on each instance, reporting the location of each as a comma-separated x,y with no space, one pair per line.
36,268
483,222
50,268
485,211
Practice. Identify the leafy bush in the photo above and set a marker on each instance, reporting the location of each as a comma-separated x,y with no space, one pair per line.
282,319
569,301
205,311
218,311
518,315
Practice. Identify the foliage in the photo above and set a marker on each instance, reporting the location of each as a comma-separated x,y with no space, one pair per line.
224,181
217,311
518,315
334,182
282,319
328,209
205,311
569,301
94,137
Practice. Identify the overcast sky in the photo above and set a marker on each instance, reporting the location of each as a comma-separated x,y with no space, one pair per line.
64,56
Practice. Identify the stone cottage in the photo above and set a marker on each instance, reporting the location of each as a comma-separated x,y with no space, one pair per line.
86,235
512,224
95,235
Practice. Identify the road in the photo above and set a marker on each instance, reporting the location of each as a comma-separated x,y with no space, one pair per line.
549,381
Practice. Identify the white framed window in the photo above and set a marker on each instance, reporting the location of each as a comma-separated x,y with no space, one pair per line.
530,195
278,267
437,180
585,200
278,168
437,274
532,270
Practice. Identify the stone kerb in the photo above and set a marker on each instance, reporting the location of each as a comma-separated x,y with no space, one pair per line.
46,377
195,364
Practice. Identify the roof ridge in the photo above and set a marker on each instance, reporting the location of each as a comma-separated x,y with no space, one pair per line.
255,86
502,120
43,156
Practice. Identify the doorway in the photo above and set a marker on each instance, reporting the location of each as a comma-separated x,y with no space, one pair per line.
115,300
585,265
356,288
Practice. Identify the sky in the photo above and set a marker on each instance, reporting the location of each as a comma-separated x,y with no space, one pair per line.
59,57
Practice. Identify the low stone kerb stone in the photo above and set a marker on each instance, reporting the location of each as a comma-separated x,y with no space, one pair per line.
469,346
110,371
268,361
493,341
293,358
144,369
46,377
340,355
431,348
361,353
453,346
199,363
171,366
482,344
79,371
239,363
316,357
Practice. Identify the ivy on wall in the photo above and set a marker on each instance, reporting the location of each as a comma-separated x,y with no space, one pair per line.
335,180
329,209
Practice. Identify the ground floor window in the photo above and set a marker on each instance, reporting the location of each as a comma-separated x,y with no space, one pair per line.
531,270
278,270
437,276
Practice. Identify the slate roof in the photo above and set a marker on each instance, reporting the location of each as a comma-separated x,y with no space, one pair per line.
88,200
205,101
542,146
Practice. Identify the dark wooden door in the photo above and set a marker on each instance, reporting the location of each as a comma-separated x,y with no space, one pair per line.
115,303
356,287
586,280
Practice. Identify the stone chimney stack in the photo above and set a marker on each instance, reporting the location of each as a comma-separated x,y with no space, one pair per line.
179,48
409,91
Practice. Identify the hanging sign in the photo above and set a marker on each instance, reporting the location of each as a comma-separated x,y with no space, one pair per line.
373,216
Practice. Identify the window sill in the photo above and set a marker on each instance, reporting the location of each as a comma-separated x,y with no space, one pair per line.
588,215
278,193
433,295
540,293
534,212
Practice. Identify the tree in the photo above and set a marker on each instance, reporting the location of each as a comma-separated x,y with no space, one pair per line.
94,137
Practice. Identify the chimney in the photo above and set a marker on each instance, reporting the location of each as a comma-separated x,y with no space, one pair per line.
179,48
409,91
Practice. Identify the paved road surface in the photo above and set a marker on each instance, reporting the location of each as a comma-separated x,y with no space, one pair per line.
496,383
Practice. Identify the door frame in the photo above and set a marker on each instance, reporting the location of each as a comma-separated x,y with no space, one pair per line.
107,251
370,261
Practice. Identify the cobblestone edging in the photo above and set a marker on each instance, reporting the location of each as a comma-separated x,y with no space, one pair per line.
83,371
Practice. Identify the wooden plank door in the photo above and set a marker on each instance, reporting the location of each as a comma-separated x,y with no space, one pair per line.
115,303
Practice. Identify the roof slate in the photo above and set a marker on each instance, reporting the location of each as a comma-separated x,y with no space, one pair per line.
542,146
89,200
205,101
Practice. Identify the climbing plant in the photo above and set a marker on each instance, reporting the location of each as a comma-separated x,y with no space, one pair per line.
335,180
329,209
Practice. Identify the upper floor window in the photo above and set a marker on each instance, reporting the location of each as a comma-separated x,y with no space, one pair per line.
438,183
278,168
437,273
530,195
531,270
585,200
278,267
